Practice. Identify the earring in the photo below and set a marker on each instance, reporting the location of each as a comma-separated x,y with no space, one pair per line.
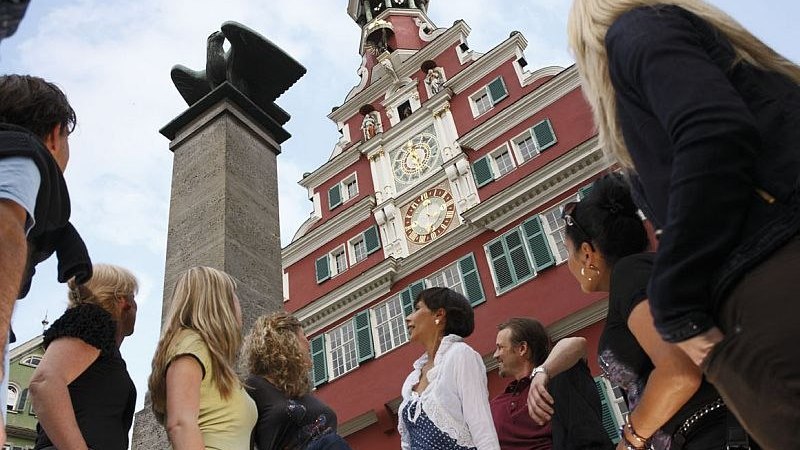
436,321
592,267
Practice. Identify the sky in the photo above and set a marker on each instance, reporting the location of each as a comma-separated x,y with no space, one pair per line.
113,57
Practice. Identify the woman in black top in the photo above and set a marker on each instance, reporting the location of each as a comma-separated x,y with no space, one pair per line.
289,416
82,392
708,116
663,388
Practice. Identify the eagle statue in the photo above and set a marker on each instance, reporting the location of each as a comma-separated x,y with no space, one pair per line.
253,65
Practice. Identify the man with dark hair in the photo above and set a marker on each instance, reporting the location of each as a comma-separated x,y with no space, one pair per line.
523,353
35,122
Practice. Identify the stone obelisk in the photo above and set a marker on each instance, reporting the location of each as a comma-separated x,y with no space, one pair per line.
224,206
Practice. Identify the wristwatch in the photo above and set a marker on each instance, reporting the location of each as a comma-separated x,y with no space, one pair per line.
539,369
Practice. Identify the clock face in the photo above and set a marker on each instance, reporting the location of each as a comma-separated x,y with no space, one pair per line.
429,215
415,158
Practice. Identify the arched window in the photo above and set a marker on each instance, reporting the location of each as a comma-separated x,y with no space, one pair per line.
32,360
11,401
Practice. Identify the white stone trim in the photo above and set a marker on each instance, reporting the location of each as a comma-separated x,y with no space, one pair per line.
521,110
309,242
330,169
487,63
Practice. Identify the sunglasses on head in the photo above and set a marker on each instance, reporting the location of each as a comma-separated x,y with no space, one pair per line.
568,215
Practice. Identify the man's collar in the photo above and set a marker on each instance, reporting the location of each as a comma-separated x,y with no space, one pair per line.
516,386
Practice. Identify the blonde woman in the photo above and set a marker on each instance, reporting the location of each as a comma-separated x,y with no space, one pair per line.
708,118
83,395
289,417
195,391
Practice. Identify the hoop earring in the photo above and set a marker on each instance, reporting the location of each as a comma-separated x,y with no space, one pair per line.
592,267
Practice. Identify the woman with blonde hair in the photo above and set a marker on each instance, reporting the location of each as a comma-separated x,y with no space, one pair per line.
277,356
83,395
707,117
195,391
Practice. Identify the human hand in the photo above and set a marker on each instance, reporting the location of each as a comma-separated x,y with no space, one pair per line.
2,430
540,402
698,347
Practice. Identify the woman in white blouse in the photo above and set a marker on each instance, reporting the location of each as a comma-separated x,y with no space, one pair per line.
445,399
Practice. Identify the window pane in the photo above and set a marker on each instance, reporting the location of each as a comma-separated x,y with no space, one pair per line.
504,163
391,324
527,148
343,349
352,189
360,250
341,262
482,103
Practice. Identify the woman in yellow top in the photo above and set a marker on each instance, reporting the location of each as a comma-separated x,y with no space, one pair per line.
196,393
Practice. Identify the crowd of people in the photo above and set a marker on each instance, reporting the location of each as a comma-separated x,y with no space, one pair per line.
702,121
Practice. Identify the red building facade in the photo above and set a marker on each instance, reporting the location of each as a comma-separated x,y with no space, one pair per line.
450,171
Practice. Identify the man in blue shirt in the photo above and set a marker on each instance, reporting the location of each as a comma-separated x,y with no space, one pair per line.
35,122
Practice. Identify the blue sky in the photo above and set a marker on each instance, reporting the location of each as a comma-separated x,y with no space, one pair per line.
113,57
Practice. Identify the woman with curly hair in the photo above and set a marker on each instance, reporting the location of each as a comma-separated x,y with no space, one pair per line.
83,394
277,356
196,393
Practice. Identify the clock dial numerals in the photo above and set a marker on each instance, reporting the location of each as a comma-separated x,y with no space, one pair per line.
429,215
415,158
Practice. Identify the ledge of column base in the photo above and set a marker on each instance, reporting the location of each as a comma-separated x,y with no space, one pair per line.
270,119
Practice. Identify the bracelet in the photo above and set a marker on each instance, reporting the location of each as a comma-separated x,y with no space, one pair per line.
626,442
629,426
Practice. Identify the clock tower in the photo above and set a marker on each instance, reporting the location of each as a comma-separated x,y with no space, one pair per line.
450,171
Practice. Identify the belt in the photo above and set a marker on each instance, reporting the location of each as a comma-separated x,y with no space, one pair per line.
736,438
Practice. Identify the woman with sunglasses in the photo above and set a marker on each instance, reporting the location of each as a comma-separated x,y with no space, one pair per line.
671,405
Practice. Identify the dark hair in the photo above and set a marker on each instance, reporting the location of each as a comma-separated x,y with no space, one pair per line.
459,317
35,104
532,332
609,217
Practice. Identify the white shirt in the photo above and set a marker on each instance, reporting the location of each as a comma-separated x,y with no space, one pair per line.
456,399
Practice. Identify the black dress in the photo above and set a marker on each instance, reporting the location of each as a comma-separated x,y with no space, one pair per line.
285,423
627,365
103,396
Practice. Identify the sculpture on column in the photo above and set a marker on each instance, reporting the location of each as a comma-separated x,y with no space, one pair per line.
254,65
434,76
370,125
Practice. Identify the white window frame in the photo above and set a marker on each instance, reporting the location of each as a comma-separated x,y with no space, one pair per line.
332,266
553,235
346,196
527,134
347,347
351,244
493,161
453,269
12,405
484,91
395,332
27,361
474,101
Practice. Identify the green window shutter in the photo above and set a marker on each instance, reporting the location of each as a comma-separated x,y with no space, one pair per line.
497,90
482,170
363,328
584,191
372,240
335,196
609,419
23,398
504,278
320,370
407,301
544,134
415,288
519,258
323,270
472,280
538,243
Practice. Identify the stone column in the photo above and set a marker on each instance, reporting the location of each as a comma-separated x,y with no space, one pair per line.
223,208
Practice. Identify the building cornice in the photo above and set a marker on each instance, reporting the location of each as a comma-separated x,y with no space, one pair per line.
408,67
348,298
539,187
554,89
25,347
331,168
560,329
487,63
357,423
346,220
